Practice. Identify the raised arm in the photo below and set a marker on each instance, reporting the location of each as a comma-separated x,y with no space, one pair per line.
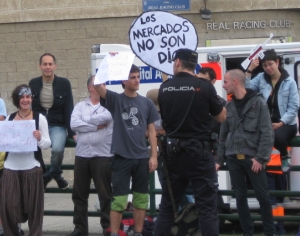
101,90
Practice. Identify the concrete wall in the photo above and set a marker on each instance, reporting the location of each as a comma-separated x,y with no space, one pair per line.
37,10
21,44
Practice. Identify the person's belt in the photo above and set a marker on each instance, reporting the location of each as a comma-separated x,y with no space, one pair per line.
203,143
240,156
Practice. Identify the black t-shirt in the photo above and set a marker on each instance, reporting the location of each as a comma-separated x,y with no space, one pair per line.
174,98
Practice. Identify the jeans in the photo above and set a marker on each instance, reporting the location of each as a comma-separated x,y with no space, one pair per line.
282,135
238,169
58,138
200,171
276,182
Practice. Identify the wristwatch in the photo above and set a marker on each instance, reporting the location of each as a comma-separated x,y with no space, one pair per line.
249,71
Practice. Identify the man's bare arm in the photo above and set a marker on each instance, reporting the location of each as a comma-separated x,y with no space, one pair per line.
222,116
101,90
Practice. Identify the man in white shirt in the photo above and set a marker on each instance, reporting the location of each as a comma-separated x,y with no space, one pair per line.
93,125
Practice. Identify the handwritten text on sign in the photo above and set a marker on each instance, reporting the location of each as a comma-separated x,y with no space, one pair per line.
155,36
17,136
114,67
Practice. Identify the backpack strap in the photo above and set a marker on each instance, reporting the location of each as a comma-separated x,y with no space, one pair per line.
12,116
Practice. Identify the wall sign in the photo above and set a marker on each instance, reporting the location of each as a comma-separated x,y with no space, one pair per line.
237,25
166,5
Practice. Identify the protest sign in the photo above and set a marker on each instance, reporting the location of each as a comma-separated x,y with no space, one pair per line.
17,136
114,67
155,36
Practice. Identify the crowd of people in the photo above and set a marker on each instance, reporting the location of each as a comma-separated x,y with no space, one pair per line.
112,131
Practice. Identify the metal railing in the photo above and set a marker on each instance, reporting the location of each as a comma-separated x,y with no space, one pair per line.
295,142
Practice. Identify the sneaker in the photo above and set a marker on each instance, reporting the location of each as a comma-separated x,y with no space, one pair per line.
280,230
62,183
47,180
286,164
137,234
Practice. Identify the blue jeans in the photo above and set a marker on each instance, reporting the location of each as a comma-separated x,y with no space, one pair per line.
238,169
276,182
58,136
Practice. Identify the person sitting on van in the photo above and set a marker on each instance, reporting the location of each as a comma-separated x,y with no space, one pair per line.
280,92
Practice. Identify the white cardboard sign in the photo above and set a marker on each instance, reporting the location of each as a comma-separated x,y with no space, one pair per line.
155,36
17,136
114,67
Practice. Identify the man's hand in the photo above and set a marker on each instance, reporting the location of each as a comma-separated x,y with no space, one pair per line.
256,166
75,138
277,125
217,167
100,89
113,53
152,164
101,126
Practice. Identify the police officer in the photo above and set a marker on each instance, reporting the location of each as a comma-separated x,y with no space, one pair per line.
188,135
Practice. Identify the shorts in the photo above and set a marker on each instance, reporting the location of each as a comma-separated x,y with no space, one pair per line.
125,169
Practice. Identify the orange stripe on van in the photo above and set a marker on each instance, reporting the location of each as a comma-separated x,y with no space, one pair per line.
275,160
216,66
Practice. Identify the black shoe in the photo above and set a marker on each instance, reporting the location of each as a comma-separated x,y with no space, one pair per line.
62,183
76,233
47,180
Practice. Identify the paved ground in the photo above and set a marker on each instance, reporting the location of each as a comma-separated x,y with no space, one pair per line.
63,225
54,225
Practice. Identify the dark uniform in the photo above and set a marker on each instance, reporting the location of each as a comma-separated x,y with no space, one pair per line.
193,160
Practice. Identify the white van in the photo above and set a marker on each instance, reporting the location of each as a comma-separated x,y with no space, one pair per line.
221,59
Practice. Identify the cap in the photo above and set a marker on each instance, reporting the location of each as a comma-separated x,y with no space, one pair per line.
186,54
153,95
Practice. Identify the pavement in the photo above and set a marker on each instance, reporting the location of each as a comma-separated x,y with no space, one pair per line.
63,225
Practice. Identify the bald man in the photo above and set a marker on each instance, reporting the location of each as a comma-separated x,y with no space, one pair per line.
248,135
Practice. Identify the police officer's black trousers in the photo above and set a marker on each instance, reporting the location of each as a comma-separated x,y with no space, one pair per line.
200,170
